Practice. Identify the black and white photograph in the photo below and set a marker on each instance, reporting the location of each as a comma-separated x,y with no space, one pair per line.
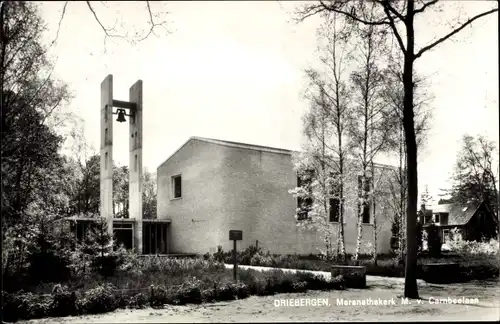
249,161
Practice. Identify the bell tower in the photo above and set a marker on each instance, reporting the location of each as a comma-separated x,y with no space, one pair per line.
134,109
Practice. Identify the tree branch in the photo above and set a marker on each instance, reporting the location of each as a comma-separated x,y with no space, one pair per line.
106,30
153,24
388,9
351,15
442,39
430,3
60,22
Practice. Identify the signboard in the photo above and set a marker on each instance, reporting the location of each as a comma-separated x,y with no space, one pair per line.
235,235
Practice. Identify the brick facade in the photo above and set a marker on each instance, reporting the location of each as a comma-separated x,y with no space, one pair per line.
228,186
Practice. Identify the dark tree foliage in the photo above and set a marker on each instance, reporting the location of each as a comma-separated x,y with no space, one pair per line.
395,233
474,176
433,241
32,168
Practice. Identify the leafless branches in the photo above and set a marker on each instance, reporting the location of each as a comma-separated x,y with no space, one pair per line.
153,23
453,32
425,5
110,31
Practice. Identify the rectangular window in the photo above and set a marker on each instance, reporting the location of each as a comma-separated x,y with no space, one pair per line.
334,210
305,204
176,186
366,204
135,163
366,213
106,136
436,218
106,113
106,161
443,219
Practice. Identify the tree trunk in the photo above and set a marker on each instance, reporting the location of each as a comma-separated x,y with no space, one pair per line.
372,200
411,288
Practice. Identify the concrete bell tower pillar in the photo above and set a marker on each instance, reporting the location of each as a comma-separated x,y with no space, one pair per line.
134,107
135,163
106,187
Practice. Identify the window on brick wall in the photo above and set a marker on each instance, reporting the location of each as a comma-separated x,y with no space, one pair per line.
305,204
335,198
334,215
177,186
365,206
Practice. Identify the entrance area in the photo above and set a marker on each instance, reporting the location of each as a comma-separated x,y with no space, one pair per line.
154,236
124,234
154,233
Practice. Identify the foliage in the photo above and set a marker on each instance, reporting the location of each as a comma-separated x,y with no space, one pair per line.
32,169
395,233
120,191
458,244
40,181
425,197
420,238
149,191
474,176
261,260
397,20
98,300
160,281
433,240
99,250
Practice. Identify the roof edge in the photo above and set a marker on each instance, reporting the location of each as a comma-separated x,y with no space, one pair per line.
252,147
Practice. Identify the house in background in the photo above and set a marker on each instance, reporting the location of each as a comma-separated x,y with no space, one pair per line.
475,220
208,187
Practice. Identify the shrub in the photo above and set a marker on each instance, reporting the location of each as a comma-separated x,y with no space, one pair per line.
138,300
48,266
25,306
458,244
209,295
259,259
226,291
433,241
189,292
219,255
299,286
101,299
64,301
159,295
255,281
420,238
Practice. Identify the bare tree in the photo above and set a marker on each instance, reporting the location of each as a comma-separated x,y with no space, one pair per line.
369,127
156,20
399,18
331,81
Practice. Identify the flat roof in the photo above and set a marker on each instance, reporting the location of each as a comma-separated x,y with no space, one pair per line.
246,146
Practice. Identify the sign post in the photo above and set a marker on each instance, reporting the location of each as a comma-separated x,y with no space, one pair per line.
234,236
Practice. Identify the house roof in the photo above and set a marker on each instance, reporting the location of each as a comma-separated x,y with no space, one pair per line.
458,214
248,147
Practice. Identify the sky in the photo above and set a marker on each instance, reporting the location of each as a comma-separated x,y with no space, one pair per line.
235,71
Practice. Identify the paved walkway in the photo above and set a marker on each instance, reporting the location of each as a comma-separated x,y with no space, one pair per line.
327,275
